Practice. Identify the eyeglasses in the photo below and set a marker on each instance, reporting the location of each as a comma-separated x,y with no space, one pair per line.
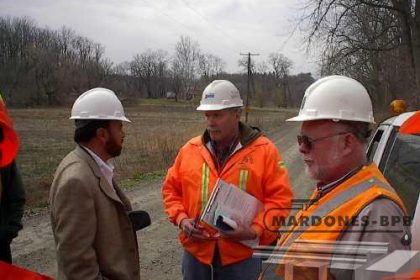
308,142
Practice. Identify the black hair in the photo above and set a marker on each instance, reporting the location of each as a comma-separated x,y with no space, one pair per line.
86,129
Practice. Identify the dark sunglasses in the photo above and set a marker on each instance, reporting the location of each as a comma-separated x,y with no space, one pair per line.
308,142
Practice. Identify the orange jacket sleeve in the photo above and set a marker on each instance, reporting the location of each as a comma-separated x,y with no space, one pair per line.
278,196
172,193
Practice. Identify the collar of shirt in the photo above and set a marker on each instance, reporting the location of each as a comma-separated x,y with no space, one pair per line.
220,156
106,167
323,189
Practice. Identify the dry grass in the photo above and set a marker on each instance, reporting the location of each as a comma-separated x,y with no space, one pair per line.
157,131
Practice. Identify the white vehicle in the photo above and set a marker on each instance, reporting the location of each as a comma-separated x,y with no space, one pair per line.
398,156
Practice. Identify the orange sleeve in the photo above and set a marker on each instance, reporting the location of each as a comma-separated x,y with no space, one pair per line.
278,196
172,193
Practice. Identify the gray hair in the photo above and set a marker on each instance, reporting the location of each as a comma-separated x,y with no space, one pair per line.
236,109
361,130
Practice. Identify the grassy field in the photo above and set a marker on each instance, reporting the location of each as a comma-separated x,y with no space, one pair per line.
158,129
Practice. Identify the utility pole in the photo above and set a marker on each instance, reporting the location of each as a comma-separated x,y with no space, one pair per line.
248,85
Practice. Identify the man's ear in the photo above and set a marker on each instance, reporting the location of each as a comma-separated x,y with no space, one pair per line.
350,140
102,134
238,114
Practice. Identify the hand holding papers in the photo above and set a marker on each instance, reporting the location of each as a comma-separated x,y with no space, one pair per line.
193,229
225,223
229,208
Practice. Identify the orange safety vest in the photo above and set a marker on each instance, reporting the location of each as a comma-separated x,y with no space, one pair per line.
415,275
10,144
11,272
346,200
256,168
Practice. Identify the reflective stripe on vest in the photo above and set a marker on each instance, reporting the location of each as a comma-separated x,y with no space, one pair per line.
281,164
205,178
243,179
334,203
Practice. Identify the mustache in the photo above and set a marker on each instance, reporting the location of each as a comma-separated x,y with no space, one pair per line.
213,129
307,160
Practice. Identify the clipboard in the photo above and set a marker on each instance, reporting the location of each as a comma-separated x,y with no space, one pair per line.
232,204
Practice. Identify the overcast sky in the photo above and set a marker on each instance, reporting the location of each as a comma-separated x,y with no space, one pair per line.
224,28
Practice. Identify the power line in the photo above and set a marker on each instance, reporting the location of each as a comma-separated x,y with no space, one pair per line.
165,14
179,22
212,24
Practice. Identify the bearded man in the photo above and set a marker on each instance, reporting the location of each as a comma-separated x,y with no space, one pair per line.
93,234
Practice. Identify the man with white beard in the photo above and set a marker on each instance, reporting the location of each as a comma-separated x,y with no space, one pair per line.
336,114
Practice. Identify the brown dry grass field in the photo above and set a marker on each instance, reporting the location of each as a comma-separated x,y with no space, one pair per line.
158,129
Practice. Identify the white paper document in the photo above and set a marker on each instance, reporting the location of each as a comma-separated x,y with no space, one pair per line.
228,204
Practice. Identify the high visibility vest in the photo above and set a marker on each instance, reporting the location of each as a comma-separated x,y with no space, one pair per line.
405,276
11,272
346,200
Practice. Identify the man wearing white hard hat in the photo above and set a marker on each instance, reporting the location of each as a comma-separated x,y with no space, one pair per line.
94,236
242,156
336,114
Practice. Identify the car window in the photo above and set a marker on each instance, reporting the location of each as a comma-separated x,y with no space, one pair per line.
374,144
402,168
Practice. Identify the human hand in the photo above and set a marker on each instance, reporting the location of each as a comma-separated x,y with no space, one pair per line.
240,233
193,229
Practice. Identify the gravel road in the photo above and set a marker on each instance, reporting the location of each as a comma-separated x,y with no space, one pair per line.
160,252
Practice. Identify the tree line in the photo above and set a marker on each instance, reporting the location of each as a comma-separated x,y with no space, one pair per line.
374,41
41,66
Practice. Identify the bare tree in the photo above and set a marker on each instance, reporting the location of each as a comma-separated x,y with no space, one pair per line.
15,35
243,63
122,69
150,67
210,66
262,67
281,65
39,64
361,37
42,66
185,65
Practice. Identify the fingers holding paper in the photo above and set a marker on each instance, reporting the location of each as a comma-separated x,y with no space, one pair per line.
193,229
241,232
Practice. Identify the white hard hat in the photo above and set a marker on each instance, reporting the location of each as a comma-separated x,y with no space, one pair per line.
336,98
98,104
219,95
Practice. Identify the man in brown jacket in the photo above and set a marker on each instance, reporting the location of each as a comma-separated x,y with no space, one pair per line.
89,213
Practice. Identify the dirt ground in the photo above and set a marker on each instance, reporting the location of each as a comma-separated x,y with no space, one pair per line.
160,252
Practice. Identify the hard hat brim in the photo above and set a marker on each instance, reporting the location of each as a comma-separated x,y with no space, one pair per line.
307,119
298,119
213,107
124,119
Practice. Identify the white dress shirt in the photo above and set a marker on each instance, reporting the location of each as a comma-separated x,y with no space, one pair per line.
106,167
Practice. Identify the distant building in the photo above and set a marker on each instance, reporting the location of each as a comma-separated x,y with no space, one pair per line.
170,95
